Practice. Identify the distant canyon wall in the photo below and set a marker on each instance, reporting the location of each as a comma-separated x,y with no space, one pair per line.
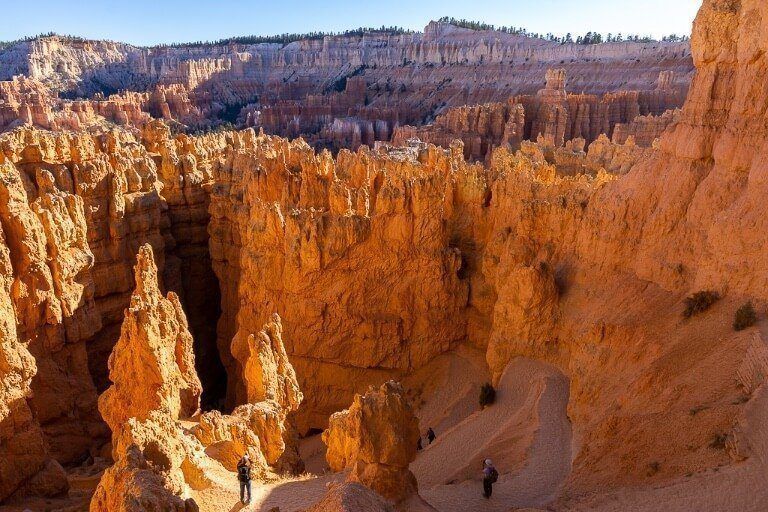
554,116
340,91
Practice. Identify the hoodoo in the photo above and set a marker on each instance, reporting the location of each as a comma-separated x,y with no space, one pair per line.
376,437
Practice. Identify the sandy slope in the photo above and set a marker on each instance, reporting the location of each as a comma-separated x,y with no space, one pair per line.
526,432
528,423
715,490
448,388
739,487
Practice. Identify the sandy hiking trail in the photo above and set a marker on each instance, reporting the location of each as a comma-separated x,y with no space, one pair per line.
527,434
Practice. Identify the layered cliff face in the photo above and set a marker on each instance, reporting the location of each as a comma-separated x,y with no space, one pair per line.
569,270
338,92
89,66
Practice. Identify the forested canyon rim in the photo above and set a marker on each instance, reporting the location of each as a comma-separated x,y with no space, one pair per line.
177,293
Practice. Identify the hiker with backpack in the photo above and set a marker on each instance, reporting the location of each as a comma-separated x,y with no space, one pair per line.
430,435
244,476
490,476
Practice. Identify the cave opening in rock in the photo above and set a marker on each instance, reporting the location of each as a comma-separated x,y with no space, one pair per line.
313,431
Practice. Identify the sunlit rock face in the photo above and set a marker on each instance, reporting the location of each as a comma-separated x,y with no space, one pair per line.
376,438
377,262
354,253
159,462
152,365
554,117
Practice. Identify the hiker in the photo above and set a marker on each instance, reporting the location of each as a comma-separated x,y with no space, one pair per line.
490,475
244,476
419,447
430,435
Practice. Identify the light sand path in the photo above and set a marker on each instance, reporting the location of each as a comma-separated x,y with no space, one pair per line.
290,495
526,432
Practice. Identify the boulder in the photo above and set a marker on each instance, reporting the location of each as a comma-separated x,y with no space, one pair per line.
376,438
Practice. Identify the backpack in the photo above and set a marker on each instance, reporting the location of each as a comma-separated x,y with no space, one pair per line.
493,476
243,473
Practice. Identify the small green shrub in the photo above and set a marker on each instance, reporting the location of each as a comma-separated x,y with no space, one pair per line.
745,317
696,410
487,394
718,441
699,302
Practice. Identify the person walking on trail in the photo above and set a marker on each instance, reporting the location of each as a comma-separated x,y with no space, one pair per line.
430,435
490,475
244,476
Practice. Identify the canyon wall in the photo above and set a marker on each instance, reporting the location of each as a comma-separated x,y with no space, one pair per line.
90,66
75,209
586,271
379,260
554,116
293,231
336,92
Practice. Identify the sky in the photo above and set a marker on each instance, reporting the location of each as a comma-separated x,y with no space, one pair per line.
146,22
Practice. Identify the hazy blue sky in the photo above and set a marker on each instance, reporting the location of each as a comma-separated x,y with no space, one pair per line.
155,21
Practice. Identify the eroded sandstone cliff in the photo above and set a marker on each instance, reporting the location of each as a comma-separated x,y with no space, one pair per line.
553,116
159,463
378,261
336,92
154,385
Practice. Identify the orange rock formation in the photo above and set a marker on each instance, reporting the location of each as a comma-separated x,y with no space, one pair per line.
571,261
154,385
152,366
554,116
346,91
480,127
376,437
157,463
